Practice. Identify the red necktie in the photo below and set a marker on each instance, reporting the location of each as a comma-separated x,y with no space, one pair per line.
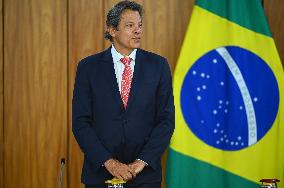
126,80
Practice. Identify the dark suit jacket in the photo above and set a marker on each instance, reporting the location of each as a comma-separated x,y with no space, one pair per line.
103,129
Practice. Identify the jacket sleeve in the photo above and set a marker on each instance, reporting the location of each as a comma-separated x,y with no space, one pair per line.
164,122
82,119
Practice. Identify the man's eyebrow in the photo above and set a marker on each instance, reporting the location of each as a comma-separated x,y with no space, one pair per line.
132,22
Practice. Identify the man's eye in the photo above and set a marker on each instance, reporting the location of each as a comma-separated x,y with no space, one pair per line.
129,25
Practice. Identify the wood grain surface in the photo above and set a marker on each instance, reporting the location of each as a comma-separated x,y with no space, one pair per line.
86,27
275,13
1,99
35,95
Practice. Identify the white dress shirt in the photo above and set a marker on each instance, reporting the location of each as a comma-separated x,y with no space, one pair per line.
119,66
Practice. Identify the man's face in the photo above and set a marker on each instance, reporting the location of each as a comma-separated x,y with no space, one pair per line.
128,35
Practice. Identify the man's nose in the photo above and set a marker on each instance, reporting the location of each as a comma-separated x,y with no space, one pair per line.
138,30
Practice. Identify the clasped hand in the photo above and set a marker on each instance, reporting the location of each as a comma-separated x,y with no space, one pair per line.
123,171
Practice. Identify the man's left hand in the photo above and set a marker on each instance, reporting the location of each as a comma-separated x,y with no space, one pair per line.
137,166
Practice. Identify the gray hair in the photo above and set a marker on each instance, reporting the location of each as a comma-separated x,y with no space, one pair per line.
114,14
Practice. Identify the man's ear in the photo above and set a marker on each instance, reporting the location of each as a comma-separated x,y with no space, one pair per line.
111,31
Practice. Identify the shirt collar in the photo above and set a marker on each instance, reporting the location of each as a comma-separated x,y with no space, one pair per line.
116,56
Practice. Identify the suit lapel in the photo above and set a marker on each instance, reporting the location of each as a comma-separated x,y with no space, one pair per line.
137,78
110,75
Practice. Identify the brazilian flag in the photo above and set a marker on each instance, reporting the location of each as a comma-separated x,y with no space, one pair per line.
229,99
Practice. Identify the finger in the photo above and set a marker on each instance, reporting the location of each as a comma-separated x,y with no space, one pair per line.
131,169
111,171
138,169
134,175
118,176
133,172
127,172
126,176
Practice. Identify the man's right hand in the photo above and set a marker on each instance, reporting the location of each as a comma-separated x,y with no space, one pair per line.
119,170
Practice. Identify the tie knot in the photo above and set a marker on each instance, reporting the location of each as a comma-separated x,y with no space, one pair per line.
126,61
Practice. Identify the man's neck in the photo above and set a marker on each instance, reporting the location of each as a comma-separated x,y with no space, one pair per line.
123,51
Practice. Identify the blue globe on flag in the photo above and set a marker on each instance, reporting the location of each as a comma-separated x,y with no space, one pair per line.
224,98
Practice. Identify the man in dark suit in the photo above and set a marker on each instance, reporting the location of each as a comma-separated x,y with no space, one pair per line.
123,111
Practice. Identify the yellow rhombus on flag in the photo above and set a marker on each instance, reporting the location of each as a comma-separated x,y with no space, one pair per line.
229,99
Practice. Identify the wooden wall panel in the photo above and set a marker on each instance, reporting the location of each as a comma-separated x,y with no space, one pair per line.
156,27
178,19
35,96
86,27
1,99
275,13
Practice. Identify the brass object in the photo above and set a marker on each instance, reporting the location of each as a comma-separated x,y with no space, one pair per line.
115,183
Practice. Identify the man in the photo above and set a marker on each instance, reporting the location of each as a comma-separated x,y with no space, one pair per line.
123,111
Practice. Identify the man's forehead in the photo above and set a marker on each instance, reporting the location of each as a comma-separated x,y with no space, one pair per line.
130,15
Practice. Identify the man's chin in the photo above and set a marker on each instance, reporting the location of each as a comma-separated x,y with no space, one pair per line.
136,45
